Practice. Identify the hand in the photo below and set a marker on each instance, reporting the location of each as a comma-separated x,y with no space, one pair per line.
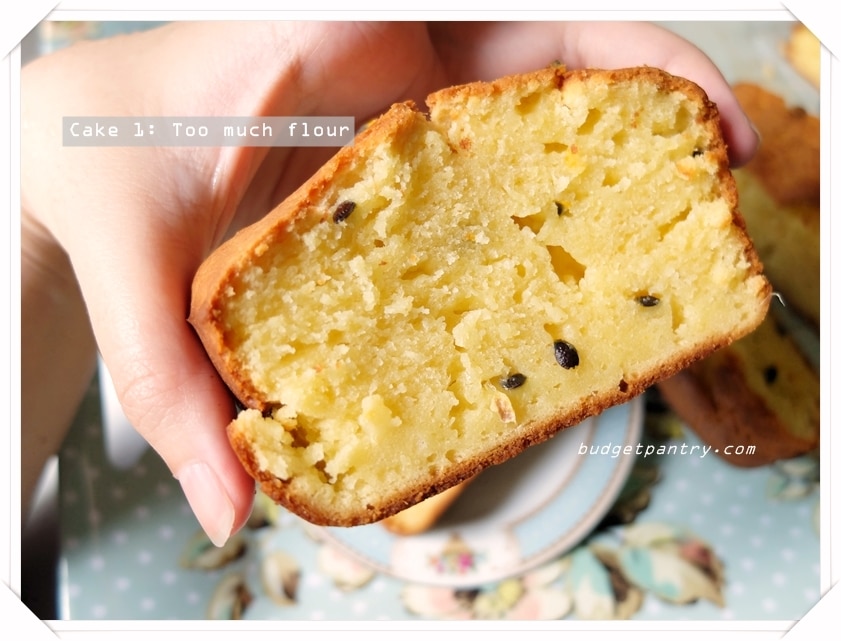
133,224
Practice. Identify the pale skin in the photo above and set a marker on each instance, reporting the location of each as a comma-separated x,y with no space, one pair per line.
111,237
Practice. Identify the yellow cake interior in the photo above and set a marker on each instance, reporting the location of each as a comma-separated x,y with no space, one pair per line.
423,325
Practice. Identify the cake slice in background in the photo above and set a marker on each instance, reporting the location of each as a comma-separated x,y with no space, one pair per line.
779,197
803,51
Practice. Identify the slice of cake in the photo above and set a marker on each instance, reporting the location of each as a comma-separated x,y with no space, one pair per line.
779,197
454,288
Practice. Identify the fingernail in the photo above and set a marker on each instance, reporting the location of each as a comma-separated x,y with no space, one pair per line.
209,501
756,131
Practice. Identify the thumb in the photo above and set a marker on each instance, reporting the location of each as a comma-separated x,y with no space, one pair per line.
166,385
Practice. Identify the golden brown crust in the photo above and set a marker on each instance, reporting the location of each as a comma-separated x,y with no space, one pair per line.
723,414
788,159
561,76
733,400
727,413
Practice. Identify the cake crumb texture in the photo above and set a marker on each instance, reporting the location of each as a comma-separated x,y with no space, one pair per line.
452,289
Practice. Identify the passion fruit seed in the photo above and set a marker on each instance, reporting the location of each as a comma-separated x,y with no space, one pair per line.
647,300
344,210
566,355
513,381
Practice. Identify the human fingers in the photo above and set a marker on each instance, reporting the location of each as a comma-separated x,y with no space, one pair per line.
134,283
135,223
58,354
487,50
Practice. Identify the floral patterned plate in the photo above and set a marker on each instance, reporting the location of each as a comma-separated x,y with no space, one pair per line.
515,516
